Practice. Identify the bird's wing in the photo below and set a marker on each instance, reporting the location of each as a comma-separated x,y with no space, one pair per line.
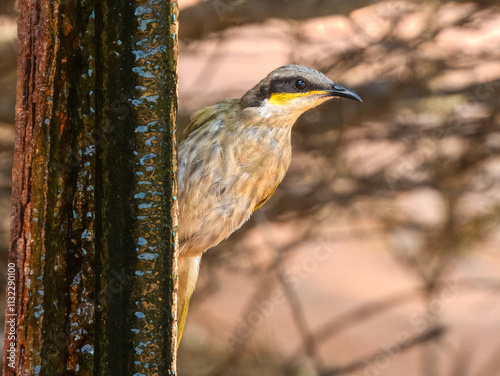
266,197
207,114
198,119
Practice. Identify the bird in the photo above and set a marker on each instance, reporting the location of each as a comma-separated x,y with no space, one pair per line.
232,157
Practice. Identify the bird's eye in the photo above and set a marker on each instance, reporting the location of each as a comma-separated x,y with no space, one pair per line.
300,84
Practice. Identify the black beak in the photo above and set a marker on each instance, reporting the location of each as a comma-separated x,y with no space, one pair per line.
341,91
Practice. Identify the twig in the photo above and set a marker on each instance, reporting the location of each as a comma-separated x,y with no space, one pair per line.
299,318
395,348
261,293
357,314
298,314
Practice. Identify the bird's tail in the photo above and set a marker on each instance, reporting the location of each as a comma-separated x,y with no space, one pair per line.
182,311
188,275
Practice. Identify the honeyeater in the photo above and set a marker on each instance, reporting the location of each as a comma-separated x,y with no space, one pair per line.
233,156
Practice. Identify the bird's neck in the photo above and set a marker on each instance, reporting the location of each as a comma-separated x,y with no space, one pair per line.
270,116
264,129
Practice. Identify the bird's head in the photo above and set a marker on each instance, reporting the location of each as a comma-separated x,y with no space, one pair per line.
290,90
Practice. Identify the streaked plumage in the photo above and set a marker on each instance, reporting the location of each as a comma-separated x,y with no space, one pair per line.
233,156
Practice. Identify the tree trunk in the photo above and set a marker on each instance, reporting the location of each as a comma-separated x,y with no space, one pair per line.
92,268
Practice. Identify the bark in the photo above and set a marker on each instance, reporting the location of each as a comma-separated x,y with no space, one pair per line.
93,205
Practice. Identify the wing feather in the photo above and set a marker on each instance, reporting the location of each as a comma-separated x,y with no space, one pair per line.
266,197
207,114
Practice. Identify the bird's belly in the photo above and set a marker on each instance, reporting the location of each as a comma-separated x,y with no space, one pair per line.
225,196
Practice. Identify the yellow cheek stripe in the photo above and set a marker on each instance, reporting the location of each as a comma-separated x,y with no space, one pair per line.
280,99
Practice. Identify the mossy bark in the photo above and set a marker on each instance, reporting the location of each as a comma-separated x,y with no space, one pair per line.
94,202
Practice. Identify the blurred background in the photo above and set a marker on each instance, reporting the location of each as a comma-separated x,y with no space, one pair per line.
379,254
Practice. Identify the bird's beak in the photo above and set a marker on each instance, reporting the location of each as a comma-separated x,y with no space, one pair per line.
341,91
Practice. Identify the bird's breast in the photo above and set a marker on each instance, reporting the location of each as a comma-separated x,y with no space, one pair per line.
223,179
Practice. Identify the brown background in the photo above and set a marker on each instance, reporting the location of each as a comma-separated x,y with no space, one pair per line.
387,224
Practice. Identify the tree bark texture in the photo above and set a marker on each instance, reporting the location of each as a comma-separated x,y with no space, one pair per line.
94,202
